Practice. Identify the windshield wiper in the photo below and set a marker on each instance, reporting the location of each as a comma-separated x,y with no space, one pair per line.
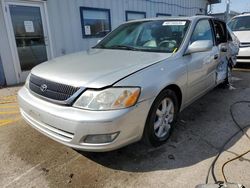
99,46
124,47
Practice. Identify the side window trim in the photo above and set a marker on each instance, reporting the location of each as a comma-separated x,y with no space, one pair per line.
211,21
229,36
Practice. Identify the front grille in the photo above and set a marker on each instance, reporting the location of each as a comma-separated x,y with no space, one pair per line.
50,89
244,44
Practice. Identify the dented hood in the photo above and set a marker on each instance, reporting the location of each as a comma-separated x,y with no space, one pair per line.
96,68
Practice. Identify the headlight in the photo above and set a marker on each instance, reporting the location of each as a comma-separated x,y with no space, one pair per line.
108,99
27,81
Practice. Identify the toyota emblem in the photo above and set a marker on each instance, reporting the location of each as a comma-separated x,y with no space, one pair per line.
43,87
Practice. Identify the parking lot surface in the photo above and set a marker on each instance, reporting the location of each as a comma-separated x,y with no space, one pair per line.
30,159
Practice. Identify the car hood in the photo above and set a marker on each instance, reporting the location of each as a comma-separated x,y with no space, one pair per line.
243,36
96,68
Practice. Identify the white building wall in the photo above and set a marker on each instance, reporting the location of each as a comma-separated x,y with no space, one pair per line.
66,29
65,21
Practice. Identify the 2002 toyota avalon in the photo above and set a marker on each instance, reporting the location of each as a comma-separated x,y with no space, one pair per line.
130,86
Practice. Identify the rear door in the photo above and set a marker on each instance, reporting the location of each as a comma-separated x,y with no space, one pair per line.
200,65
221,36
233,47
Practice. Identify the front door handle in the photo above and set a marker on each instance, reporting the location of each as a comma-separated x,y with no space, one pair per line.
216,56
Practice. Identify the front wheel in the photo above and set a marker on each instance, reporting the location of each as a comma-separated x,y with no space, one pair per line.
161,118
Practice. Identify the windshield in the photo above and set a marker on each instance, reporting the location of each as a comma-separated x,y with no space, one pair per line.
152,36
240,23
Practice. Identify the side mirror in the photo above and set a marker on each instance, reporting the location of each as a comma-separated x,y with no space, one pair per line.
199,46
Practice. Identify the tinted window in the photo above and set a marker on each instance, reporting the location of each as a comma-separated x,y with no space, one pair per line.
162,15
95,22
132,15
240,23
202,31
220,32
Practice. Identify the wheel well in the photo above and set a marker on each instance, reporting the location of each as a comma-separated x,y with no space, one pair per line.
177,91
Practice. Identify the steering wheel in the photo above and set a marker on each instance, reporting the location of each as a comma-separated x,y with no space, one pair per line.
168,42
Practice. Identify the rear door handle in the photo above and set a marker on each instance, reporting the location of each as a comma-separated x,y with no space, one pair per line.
216,56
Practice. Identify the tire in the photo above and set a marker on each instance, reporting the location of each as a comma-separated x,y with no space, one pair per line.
161,118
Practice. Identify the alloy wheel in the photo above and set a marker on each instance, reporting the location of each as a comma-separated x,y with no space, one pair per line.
164,117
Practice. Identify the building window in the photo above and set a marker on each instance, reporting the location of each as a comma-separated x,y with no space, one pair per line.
96,22
134,15
162,15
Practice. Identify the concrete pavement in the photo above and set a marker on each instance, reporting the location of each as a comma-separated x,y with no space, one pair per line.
29,159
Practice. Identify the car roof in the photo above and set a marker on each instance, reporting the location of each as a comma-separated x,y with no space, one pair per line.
190,18
242,15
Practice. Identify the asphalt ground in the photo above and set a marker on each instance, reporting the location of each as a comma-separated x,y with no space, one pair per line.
30,159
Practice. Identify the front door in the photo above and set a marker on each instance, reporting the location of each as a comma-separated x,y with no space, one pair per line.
28,34
199,66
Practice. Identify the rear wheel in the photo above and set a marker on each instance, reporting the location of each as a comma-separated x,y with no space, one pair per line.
161,118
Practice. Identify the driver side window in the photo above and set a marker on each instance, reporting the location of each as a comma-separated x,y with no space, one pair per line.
202,31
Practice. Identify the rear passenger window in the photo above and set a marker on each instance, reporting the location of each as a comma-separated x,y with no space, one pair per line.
202,31
220,32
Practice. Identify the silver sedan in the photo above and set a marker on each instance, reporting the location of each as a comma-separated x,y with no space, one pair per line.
130,86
